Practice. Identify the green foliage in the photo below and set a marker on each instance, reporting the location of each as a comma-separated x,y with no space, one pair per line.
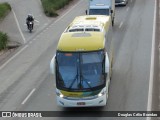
50,6
4,9
3,40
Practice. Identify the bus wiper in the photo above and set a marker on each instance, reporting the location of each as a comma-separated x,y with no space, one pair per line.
74,79
87,82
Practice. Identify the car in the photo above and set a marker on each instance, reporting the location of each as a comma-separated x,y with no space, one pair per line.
121,2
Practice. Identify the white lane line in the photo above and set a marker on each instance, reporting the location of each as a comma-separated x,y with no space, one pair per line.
1,67
120,24
131,1
149,105
24,41
25,100
127,9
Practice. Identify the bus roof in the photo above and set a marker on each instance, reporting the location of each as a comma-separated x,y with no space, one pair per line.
83,34
81,41
90,21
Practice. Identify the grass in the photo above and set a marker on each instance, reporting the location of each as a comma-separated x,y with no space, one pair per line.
3,40
50,6
4,9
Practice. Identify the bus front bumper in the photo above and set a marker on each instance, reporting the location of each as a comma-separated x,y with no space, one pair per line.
99,101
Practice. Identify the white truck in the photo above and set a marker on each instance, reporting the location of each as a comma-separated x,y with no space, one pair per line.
102,7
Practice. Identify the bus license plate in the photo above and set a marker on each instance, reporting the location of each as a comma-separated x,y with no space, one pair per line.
80,103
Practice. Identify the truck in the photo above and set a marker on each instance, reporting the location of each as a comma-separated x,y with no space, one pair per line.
82,64
102,7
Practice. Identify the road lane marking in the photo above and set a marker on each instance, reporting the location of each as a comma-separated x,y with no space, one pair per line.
149,105
24,41
25,100
120,24
127,9
1,67
131,1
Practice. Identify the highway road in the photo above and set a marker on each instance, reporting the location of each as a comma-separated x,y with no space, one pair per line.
26,82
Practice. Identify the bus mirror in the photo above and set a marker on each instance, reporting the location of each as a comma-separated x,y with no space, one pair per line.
111,11
86,12
52,65
106,63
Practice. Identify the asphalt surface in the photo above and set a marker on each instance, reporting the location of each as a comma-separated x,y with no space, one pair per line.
27,74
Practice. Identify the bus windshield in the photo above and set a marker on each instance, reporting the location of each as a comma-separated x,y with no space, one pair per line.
80,71
99,12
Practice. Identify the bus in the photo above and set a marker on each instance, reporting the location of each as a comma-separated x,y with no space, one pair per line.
82,64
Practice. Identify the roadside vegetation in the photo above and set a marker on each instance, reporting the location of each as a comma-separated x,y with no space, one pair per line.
5,8
50,6
3,40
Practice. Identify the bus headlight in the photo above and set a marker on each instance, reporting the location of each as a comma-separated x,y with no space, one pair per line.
59,94
101,93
